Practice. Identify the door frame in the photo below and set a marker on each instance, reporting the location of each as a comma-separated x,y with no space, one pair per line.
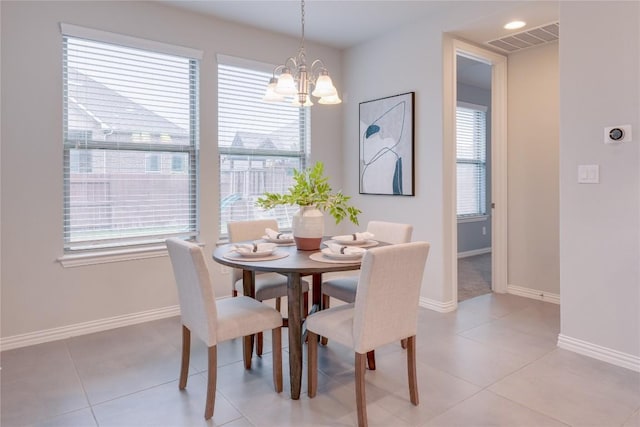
498,143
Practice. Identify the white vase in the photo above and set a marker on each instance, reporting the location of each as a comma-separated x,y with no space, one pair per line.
308,228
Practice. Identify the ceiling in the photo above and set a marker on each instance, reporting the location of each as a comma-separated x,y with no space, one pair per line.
473,73
346,23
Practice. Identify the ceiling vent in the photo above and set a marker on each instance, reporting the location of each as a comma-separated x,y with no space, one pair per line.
534,37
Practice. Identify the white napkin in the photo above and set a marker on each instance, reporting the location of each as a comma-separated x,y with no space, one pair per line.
355,236
276,235
345,250
245,248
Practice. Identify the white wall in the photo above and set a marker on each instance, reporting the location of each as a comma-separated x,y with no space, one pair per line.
420,72
600,223
411,59
533,167
37,292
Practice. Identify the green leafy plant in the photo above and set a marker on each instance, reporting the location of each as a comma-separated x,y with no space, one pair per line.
311,188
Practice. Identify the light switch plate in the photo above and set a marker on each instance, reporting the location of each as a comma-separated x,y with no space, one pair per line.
589,174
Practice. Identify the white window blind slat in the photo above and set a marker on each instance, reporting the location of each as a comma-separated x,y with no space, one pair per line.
471,160
130,145
260,144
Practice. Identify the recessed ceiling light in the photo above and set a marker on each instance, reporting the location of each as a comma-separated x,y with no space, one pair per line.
514,25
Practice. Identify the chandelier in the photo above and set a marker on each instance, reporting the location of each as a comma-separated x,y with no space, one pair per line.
295,78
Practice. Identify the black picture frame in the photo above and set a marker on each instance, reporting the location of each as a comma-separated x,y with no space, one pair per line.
386,149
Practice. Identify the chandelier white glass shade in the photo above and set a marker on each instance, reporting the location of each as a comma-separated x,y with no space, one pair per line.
295,78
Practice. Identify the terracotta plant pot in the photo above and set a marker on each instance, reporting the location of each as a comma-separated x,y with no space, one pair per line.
308,228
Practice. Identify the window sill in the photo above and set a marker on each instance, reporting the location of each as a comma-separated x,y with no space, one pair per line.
113,255
477,218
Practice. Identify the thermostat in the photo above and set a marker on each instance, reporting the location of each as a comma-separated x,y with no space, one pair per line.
617,134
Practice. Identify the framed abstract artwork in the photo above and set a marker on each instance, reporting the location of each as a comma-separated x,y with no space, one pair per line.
386,145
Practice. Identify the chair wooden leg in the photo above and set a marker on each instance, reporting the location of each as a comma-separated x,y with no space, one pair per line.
312,364
234,293
411,369
259,344
247,350
325,305
403,343
186,353
305,310
361,401
211,382
278,303
305,305
325,301
276,338
371,360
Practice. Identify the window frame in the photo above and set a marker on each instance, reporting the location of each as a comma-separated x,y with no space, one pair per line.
182,166
121,247
304,133
152,159
482,214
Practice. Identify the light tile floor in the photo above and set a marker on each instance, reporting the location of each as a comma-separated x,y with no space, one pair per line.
494,362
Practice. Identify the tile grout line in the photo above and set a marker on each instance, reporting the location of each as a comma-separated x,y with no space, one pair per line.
84,390
531,409
636,412
486,388
522,404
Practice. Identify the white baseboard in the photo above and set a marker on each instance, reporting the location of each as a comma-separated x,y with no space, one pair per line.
533,293
441,307
474,252
595,351
77,329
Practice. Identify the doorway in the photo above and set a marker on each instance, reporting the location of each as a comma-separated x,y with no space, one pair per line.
496,221
473,176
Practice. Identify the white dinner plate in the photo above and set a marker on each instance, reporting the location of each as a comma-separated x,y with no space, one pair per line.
330,254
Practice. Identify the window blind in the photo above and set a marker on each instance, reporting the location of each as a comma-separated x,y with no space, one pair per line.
471,161
260,145
130,144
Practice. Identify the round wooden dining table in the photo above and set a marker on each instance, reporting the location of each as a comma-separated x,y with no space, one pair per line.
294,264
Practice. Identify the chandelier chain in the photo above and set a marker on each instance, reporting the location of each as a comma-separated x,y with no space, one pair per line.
302,20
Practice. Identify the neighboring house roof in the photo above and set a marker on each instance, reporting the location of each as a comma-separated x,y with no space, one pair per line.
282,139
253,140
94,106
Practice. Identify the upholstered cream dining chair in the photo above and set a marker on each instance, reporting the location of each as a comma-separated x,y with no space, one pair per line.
380,315
344,287
216,321
267,285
